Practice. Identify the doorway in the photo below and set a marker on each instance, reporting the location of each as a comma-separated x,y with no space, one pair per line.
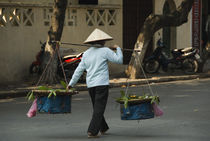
205,19
166,31
134,14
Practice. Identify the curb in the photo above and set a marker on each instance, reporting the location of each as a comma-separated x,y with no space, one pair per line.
159,80
4,94
13,94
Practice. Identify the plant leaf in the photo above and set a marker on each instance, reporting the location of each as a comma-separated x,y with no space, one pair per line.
59,90
126,103
153,99
28,94
43,88
122,94
50,94
157,100
31,96
63,84
54,93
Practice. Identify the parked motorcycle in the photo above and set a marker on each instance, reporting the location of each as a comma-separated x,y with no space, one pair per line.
35,66
185,59
70,63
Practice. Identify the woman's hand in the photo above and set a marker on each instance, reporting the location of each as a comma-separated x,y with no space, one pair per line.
68,87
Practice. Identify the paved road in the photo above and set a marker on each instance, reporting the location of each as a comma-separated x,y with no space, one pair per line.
186,117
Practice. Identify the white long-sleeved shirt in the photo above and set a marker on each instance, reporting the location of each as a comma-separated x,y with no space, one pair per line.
95,62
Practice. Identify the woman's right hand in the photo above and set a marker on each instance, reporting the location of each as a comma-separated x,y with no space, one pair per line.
68,87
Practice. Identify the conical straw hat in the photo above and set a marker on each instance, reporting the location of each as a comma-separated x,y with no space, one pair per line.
97,35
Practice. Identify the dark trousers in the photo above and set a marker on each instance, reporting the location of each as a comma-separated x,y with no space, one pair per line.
99,96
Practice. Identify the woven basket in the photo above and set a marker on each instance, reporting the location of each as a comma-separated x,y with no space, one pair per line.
135,101
39,93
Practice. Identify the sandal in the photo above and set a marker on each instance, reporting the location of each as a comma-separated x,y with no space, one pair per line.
104,132
92,136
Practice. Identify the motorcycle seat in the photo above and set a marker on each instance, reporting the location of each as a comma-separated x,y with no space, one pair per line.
78,55
187,49
175,51
187,54
72,56
69,56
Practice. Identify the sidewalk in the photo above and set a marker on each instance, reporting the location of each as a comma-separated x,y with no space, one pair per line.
13,91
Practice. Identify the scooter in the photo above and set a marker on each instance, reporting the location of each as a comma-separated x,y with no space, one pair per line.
185,59
69,62
35,66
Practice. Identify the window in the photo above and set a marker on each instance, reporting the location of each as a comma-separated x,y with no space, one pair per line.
91,2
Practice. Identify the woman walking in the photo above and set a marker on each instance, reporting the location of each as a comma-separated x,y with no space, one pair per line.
95,62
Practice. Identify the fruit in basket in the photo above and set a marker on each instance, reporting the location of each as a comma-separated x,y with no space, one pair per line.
132,97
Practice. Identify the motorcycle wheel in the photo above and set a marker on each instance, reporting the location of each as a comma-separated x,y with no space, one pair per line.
190,66
151,66
34,69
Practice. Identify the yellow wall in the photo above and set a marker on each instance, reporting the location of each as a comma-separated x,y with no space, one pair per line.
20,44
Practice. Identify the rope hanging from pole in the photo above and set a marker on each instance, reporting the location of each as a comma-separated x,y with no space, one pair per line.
46,68
145,76
57,48
55,51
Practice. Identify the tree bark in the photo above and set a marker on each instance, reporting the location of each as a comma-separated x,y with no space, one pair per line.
152,24
50,62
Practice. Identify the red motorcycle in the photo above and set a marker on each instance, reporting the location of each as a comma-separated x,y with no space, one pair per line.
69,62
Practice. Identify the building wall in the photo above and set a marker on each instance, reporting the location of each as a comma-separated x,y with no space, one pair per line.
106,2
23,26
181,36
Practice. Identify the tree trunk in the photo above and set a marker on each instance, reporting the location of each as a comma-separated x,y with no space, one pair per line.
205,56
50,62
152,24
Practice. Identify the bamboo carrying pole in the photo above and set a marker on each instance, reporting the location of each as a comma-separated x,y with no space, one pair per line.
96,45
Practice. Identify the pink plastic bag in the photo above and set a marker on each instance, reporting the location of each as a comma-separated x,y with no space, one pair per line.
32,110
157,110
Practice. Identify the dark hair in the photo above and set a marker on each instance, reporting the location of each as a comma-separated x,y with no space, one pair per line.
102,42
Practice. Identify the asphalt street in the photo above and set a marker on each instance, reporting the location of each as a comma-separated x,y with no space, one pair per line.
186,117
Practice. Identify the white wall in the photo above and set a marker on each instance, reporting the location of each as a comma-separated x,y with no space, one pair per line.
183,32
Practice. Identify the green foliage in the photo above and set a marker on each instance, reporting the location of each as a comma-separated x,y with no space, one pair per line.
52,92
63,84
30,95
125,98
43,88
155,99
